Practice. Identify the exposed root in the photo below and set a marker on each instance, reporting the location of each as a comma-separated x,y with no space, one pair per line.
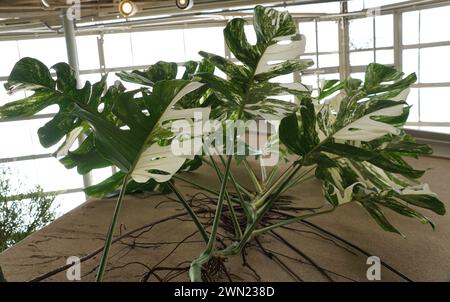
215,269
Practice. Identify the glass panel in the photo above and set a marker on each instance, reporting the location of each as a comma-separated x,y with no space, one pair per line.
358,75
435,104
25,138
385,56
434,24
439,129
413,99
66,202
209,39
91,77
434,64
250,34
384,31
410,61
88,52
313,58
117,49
6,98
99,175
331,60
9,57
153,46
410,28
53,176
330,7
361,58
49,51
328,36
48,173
310,80
355,5
308,29
361,33
378,3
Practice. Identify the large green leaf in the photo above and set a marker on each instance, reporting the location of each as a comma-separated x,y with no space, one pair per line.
31,74
248,94
160,71
359,145
86,158
136,150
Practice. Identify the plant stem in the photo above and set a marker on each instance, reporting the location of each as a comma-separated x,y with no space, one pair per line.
260,200
235,183
248,210
272,174
218,213
263,172
284,179
288,221
236,226
253,176
202,187
196,185
196,265
112,226
300,178
190,211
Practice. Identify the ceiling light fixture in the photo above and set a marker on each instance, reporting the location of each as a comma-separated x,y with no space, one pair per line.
184,4
45,3
127,8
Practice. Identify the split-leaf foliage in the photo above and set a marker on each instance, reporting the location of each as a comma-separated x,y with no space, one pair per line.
350,137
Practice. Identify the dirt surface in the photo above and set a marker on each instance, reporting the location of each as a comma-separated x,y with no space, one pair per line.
304,252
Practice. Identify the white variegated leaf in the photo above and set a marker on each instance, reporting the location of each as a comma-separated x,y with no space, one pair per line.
366,129
422,189
281,51
163,158
347,195
157,158
70,140
172,113
299,87
402,96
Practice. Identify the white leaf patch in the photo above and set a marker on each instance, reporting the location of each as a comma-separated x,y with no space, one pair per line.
348,194
366,129
157,158
281,51
402,96
162,158
422,189
171,113
295,86
70,140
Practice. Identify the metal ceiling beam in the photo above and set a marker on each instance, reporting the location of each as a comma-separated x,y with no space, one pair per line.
72,56
201,8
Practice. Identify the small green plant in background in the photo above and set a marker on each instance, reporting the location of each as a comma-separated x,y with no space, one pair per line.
21,213
350,137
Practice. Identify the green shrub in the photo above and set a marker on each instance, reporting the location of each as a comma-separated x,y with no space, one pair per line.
21,213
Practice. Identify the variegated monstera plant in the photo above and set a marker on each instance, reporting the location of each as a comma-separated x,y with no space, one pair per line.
350,137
